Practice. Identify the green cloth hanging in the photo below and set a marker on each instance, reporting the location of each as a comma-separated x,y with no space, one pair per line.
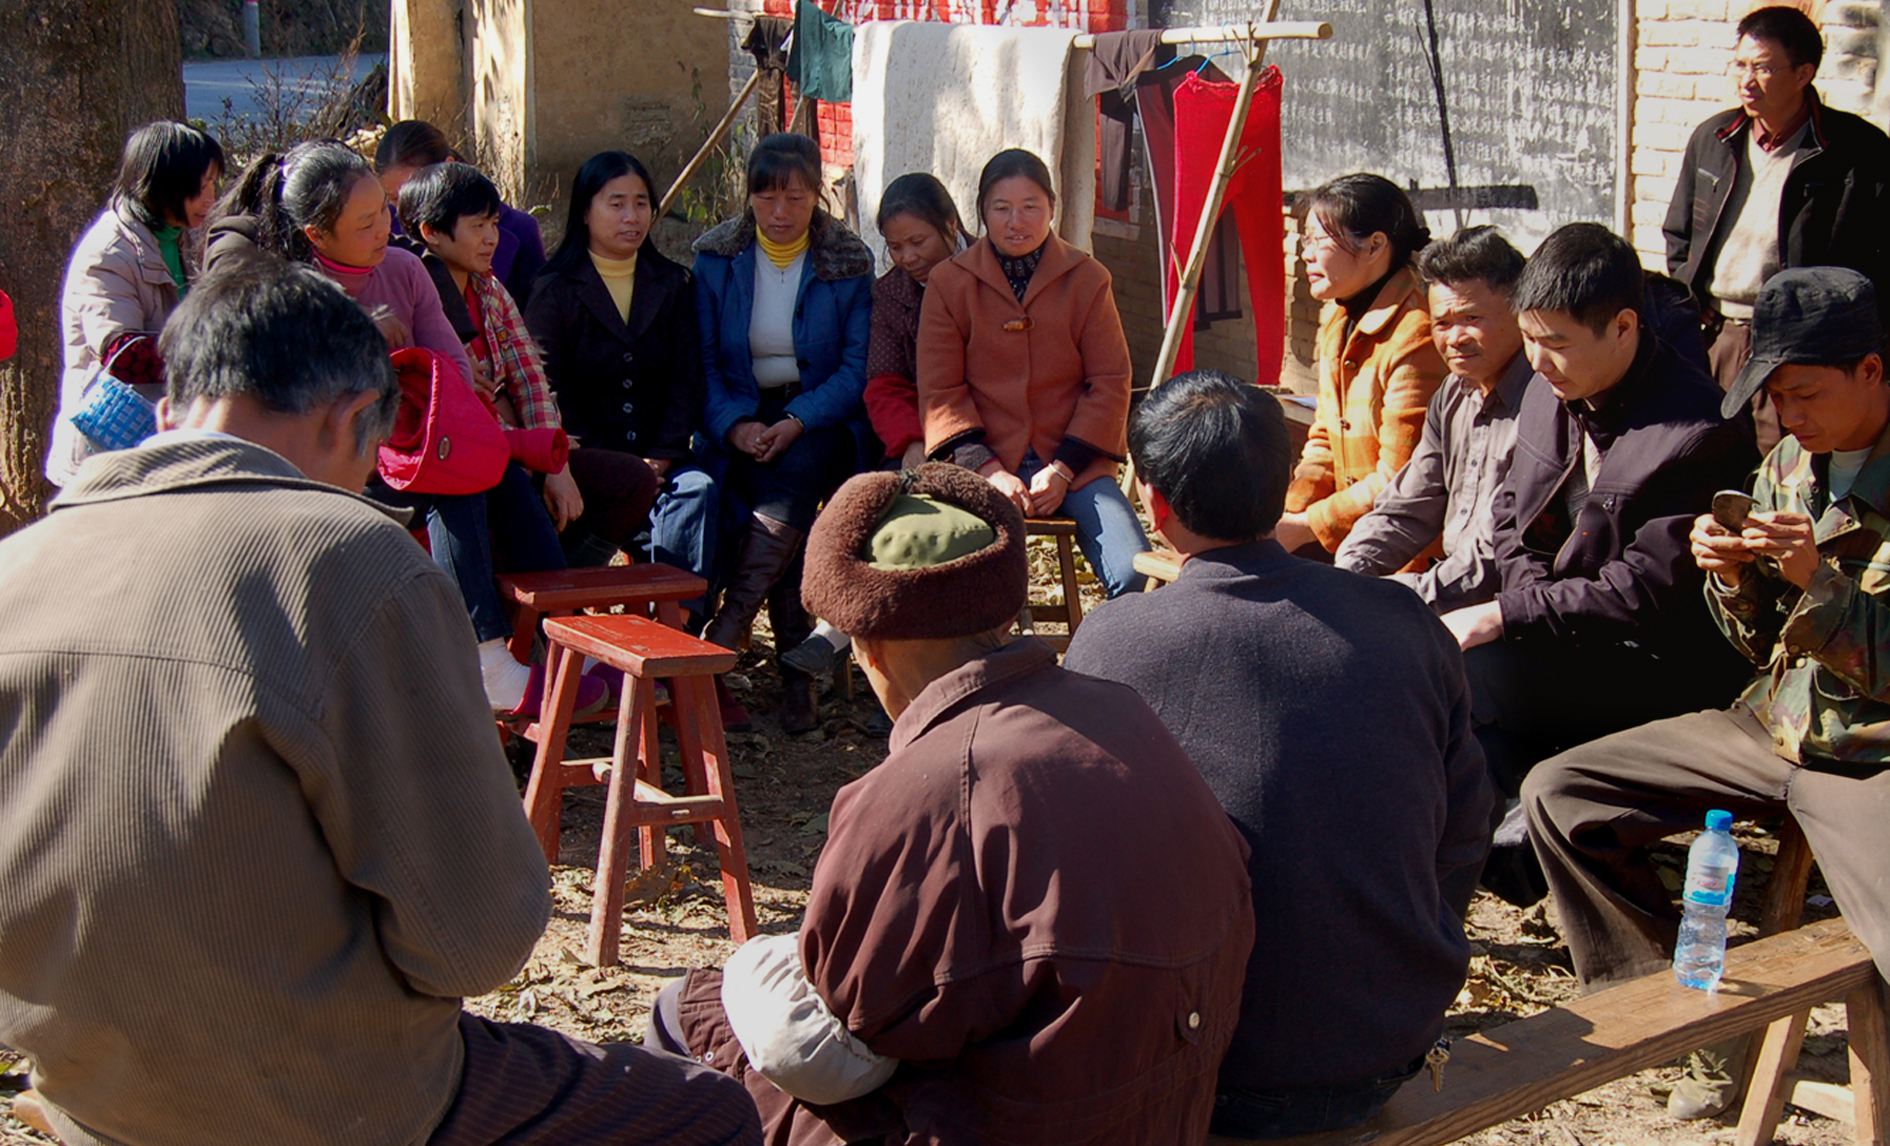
821,61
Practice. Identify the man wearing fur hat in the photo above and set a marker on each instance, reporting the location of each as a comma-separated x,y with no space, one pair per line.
1031,922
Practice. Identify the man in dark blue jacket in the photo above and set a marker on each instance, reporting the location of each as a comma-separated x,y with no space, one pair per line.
1328,712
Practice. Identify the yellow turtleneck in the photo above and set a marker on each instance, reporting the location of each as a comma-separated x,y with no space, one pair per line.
619,277
781,254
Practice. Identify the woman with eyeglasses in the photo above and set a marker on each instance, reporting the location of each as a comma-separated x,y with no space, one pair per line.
1376,364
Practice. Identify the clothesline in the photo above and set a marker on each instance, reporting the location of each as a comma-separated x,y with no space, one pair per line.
1213,34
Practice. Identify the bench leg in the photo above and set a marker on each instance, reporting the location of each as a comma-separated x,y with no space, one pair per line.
613,854
544,795
1765,1094
704,747
1870,1063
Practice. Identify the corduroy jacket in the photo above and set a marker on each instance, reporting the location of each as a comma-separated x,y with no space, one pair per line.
1025,374
1831,214
1374,386
996,908
1622,571
257,838
635,387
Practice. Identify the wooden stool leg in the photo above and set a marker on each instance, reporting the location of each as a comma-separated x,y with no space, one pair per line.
702,738
652,839
544,795
613,854
1765,1093
1072,594
1864,1011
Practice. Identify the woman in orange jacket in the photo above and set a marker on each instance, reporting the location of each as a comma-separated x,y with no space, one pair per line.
1377,366
1024,370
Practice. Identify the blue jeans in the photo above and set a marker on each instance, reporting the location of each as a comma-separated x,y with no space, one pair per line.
684,525
1249,1112
475,536
1107,529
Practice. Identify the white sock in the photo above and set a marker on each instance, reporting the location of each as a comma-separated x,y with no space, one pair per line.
839,640
504,677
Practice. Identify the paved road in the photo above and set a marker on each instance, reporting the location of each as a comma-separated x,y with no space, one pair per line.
207,83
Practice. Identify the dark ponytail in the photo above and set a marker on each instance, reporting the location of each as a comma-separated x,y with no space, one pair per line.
307,187
1353,208
1005,164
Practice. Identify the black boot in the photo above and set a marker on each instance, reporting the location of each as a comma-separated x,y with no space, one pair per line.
767,549
798,710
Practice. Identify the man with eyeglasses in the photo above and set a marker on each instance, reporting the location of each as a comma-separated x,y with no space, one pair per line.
1779,181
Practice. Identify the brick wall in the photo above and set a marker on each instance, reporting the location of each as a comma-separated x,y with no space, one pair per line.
1682,51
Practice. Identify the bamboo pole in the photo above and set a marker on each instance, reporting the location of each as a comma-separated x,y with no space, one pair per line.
709,145
1256,50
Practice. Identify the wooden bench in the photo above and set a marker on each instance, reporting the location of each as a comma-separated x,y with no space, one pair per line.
561,592
637,803
1521,1067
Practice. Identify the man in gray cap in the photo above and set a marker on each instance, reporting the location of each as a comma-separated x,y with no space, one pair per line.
1799,589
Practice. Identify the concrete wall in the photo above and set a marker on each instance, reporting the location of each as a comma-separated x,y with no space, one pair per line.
537,86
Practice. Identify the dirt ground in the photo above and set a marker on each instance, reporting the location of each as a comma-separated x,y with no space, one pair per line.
785,785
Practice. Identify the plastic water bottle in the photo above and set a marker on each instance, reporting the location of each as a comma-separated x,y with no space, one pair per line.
1699,956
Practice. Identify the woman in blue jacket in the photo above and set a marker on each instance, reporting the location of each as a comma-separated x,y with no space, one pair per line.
784,301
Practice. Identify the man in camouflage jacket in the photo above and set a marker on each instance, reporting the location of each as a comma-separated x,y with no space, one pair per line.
1804,591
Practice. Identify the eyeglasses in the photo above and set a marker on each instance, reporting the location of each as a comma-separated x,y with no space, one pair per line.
1317,240
1741,68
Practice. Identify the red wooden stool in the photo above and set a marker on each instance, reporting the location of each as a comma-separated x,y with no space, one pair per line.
645,651
565,591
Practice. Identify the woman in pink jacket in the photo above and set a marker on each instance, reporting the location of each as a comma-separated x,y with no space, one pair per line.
132,266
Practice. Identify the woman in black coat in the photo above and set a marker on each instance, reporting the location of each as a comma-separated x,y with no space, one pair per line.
616,322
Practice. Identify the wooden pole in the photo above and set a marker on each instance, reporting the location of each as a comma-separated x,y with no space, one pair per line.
709,145
1256,50
1211,212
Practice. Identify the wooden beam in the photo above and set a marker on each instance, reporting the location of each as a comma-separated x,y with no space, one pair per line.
709,145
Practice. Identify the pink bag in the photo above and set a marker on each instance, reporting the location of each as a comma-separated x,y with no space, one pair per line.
445,440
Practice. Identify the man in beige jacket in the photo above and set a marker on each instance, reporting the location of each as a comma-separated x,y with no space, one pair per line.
257,838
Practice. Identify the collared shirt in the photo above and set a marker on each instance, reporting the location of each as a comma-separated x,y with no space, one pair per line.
1445,489
1769,141
506,348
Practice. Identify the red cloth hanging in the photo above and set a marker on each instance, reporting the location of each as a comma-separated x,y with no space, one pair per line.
1203,109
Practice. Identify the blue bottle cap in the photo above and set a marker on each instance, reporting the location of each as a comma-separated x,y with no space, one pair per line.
1718,820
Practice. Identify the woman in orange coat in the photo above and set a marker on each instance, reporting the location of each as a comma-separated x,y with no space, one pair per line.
1377,366
1024,371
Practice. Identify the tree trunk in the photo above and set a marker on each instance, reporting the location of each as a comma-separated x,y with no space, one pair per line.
80,75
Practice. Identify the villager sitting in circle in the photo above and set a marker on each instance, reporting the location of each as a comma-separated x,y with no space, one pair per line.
249,913
320,204
994,950
1445,491
920,225
1024,371
130,269
784,302
615,320
601,499
1377,366
1367,833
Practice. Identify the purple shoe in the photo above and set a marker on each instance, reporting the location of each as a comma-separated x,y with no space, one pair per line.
592,695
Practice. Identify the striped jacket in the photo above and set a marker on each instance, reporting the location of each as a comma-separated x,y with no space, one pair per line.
1825,651
1374,387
